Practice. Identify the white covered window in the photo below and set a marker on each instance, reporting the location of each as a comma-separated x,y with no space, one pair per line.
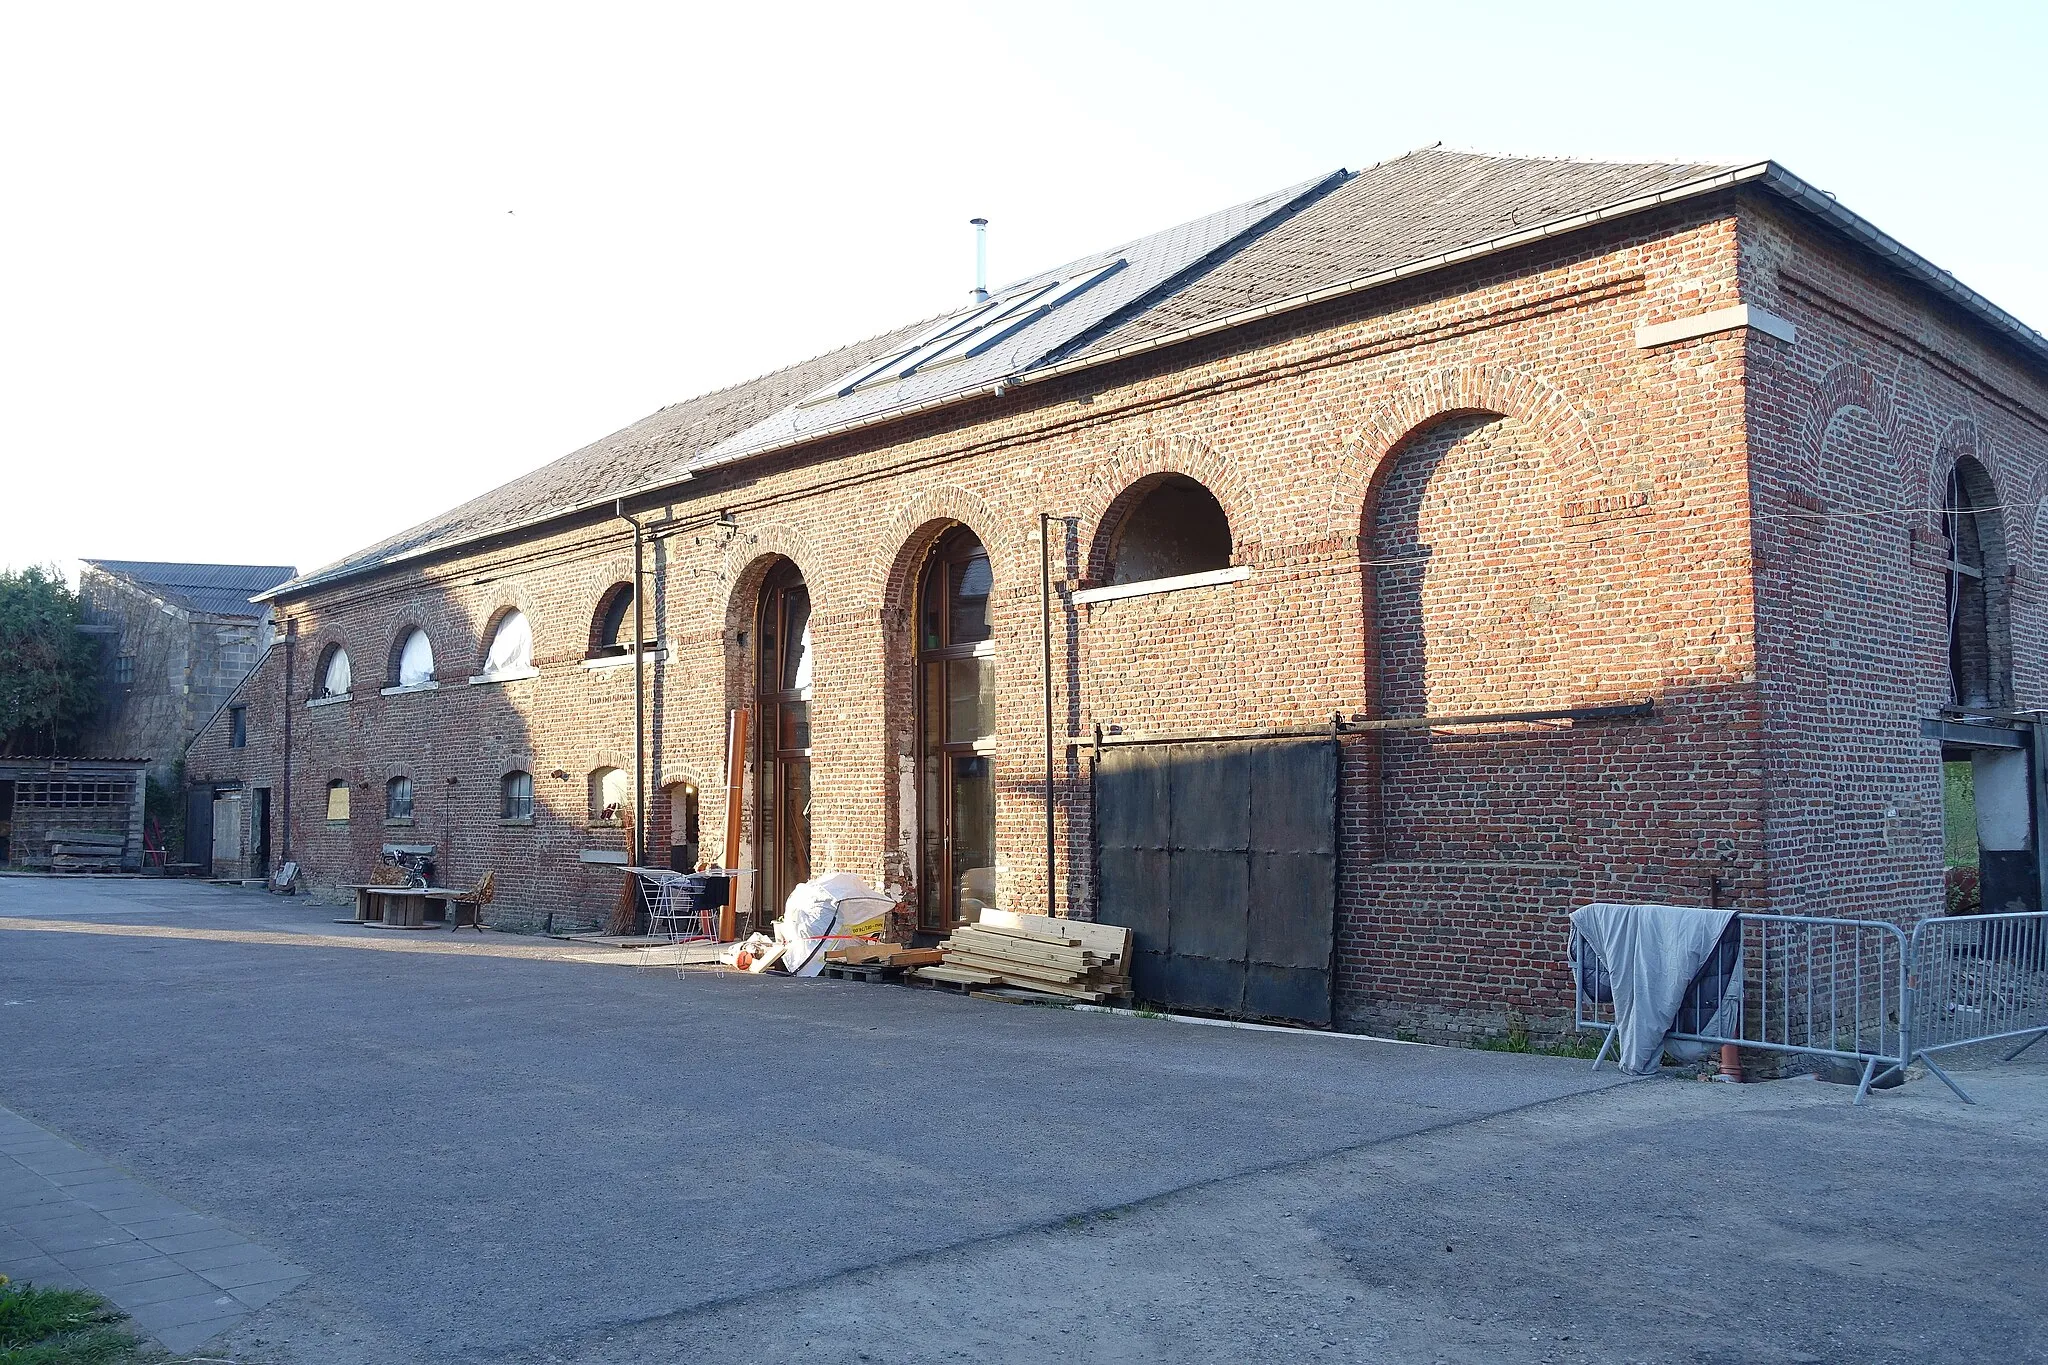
611,794
415,660
511,650
335,675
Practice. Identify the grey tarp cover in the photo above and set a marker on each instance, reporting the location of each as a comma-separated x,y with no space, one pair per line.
1652,953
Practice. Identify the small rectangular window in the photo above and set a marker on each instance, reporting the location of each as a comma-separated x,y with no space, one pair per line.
337,801
398,799
238,727
124,671
518,804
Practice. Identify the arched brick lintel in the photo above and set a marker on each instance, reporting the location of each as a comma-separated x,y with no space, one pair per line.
1136,467
901,545
1584,474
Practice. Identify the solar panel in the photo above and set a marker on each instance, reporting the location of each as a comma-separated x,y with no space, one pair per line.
970,333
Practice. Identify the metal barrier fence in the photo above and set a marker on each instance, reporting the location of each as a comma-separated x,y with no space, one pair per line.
1860,990
1812,986
1977,979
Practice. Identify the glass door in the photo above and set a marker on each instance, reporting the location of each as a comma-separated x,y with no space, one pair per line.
957,725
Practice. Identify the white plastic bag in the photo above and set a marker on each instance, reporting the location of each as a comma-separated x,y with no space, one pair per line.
812,919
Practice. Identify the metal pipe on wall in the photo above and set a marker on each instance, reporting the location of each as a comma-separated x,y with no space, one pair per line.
638,851
1045,633
291,643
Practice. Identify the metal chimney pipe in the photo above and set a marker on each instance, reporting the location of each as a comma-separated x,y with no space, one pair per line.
980,294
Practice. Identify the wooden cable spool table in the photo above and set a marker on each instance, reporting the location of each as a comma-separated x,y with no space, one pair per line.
402,907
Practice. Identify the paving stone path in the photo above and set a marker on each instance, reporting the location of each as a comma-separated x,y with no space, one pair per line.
67,1218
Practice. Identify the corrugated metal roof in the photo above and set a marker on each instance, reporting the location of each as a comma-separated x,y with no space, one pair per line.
216,589
1325,238
25,760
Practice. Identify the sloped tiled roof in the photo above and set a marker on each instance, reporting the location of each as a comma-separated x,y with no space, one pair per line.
653,450
1340,234
216,589
1409,209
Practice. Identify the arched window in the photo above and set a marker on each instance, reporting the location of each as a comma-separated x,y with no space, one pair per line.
1176,528
957,725
412,660
398,799
515,791
511,649
335,675
611,795
611,630
1979,624
337,801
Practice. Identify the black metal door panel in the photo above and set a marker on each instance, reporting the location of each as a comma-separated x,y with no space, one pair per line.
199,828
1221,858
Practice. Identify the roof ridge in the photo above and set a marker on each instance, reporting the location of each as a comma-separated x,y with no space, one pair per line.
1547,158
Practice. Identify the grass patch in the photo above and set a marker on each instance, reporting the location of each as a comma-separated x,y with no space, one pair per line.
1518,1040
64,1327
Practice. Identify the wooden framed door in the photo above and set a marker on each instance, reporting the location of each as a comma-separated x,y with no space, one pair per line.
957,731
782,739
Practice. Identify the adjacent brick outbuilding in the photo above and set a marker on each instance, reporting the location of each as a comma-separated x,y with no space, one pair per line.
1490,435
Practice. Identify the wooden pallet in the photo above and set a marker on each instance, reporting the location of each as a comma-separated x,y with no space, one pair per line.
871,972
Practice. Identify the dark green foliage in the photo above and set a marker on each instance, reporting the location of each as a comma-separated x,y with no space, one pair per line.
62,1327
48,671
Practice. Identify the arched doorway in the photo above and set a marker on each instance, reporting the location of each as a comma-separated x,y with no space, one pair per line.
956,720
782,738
684,827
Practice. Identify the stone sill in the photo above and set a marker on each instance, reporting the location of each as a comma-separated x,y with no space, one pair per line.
517,821
604,855
398,822
509,675
331,701
1117,591
653,656
428,686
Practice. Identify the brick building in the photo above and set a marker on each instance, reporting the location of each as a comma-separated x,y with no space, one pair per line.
1382,568
175,639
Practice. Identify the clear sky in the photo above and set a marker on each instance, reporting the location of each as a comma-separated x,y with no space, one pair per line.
277,280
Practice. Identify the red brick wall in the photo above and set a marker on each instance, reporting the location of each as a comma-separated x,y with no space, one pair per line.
1584,506
1855,429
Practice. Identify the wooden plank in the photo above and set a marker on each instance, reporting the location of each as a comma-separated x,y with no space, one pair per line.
980,962
956,975
1024,949
1028,935
1106,938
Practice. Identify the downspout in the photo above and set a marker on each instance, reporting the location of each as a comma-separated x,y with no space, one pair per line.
638,851
291,641
1045,641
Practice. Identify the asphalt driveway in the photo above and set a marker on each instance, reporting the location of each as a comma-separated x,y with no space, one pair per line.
532,1158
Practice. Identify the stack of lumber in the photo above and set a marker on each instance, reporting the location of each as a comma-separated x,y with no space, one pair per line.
82,851
884,955
1070,958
